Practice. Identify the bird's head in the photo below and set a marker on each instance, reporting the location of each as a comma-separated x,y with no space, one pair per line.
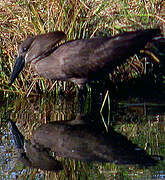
34,49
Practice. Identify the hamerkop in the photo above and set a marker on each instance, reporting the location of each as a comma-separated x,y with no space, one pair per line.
79,60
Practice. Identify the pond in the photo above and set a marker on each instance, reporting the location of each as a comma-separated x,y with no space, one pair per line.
126,140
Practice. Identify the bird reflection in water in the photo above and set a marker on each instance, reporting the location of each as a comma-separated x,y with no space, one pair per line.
77,139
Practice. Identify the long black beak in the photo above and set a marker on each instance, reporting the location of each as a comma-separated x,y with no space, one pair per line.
17,136
19,64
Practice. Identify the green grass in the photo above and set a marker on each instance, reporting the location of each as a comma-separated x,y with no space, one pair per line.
77,18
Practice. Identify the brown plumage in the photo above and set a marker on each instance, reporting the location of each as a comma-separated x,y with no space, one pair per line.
79,60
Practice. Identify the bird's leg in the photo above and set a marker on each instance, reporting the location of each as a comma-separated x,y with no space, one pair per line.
82,93
82,90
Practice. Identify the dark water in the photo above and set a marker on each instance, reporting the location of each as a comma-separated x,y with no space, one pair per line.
125,141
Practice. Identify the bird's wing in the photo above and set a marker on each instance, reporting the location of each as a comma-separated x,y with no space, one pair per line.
73,59
80,58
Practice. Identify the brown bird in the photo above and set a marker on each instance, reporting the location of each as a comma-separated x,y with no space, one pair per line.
79,60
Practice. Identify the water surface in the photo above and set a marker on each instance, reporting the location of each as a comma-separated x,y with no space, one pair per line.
110,138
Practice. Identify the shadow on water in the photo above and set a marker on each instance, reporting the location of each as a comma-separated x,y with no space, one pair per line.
48,133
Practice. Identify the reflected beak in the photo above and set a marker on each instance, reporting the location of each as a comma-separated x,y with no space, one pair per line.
17,136
19,64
